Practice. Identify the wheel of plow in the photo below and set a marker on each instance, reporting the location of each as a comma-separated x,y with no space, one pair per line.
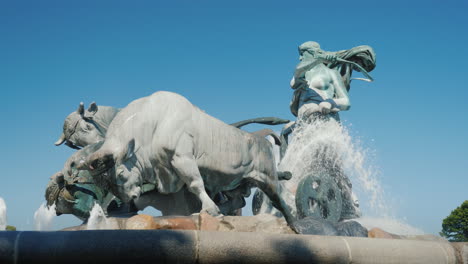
319,197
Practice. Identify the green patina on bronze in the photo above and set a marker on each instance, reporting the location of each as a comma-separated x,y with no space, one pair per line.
75,192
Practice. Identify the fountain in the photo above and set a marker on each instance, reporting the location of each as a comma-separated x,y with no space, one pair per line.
330,140
97,219
3,216
43,217
163,152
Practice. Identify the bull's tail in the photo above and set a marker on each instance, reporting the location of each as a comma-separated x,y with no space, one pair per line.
282,141
268,132
261,120
284,175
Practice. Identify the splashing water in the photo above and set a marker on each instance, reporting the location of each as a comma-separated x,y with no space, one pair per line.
3,217
328,141
43,217
97,219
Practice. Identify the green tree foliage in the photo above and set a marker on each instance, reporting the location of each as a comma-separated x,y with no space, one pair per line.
455,226
10,228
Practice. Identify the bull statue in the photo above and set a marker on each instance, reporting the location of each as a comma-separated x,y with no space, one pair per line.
85,127
166,142
81,129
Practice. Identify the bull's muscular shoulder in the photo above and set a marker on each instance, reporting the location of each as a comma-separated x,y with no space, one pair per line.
168,96
160,101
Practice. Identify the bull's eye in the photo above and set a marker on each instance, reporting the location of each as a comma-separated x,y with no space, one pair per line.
89,126
120,177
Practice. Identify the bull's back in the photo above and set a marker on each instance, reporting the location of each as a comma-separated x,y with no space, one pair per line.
219,148
144,117
229,151
159,121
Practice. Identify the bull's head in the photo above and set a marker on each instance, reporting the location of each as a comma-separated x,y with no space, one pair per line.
76,197
117,167
57,194
79,128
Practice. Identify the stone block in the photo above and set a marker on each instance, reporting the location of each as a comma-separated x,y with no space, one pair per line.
379,233
141,221
208,222
177,222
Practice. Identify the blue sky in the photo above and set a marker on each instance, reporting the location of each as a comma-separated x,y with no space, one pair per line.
235,61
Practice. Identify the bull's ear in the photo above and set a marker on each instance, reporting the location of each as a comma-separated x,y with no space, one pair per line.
59,178
80,109
129,150
92,110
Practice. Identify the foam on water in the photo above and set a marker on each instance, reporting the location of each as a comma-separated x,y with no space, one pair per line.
97,219
3,216
43,217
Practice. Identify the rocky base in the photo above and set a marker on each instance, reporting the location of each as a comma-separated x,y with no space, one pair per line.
262,223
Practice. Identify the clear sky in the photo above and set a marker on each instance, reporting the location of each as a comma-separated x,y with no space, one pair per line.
234,59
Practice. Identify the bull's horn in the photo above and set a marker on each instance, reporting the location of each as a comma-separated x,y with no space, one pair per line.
80,109
67,195
60,140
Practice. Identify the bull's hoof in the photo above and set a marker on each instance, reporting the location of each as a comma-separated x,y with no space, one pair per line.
351,228
213,211
314,226
318,226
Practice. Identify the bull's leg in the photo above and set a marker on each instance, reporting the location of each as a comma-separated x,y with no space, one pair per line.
186,168
272,190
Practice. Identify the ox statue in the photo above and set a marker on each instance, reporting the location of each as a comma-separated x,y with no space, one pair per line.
81,129
164,141
84,127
